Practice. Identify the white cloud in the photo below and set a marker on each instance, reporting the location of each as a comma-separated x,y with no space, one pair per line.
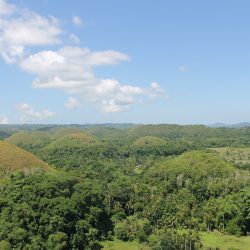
72,103
6,9
28,114
4,119
22,28
72,69
156,90
76,20
74,38
182,68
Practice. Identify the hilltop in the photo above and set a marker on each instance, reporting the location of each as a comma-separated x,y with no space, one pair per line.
29,138
13,158
72,150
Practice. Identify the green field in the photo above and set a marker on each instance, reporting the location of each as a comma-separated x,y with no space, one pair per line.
225,242
121,245
209,240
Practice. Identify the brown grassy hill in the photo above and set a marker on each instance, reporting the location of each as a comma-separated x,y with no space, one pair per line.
13,158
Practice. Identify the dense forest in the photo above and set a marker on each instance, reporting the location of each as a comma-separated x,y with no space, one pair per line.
157,186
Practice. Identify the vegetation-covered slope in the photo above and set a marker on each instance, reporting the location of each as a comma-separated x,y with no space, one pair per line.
14,158
45,211
240,157
29,138
148,181
58,133
72,150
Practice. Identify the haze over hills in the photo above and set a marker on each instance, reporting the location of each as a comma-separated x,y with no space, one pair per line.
236,125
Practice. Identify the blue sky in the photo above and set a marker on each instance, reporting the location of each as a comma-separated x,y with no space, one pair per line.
92,61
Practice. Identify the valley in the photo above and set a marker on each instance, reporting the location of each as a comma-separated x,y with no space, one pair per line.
137,187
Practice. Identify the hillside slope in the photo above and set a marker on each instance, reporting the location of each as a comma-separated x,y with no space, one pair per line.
13,158
29,138
72,150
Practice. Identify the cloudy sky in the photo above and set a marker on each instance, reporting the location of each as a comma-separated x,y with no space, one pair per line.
92,61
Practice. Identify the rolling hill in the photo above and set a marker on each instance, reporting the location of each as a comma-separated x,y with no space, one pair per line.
13,158
72,150
29,138
58,133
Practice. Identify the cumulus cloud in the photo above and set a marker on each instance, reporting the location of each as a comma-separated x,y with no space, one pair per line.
72,103
69,68
3,118
28,114
21,29
6,9
72,69
76,20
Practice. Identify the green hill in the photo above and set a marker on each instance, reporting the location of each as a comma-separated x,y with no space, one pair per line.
75,139
29,138
13,158
108,133
152,145
151,141
196,165
72,150
203,174
61,132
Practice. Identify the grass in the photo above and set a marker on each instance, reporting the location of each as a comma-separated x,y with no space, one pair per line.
209,240
121,245
224,242
32,138
235,155
13,158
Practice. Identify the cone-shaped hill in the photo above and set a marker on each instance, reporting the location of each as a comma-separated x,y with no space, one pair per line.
74,140
73,150
58,133
13,158
203,174
152,145
196,166
29,138
151,141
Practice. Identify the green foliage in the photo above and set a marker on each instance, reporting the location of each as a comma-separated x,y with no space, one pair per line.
57,241
170,240
141,183
133,228
55,212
